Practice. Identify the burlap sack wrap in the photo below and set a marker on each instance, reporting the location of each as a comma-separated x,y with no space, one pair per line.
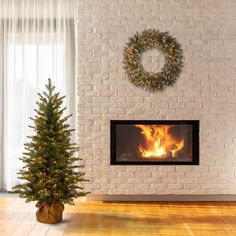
49,213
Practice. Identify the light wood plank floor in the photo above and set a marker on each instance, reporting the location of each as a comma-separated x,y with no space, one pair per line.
129,219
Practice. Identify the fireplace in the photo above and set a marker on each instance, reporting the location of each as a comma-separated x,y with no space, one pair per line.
154,142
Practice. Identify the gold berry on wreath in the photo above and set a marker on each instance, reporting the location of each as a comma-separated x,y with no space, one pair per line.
168,46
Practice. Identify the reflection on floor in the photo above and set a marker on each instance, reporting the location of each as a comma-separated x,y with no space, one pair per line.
98,218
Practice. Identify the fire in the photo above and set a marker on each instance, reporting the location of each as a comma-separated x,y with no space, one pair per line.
159,143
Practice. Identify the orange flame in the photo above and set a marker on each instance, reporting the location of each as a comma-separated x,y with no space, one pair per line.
159,143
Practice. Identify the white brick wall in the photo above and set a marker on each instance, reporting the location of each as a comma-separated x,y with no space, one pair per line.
206,90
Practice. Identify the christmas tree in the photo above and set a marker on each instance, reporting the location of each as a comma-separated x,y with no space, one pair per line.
50,172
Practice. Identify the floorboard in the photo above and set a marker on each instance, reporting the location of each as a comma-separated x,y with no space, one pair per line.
17,218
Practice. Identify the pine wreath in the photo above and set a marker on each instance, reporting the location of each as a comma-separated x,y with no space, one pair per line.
168,46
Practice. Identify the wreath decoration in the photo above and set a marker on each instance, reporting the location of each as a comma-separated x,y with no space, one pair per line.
168,46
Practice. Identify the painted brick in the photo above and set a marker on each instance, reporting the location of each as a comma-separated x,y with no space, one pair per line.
205,90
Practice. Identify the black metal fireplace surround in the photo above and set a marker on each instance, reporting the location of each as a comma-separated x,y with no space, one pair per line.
154,142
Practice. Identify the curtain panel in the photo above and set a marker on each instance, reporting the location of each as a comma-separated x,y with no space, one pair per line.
37,42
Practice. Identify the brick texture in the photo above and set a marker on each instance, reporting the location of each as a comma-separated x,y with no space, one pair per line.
206,90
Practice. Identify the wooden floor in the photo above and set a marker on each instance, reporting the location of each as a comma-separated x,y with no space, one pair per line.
97,218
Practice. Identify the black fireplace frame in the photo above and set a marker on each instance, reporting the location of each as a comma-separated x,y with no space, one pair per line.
195,141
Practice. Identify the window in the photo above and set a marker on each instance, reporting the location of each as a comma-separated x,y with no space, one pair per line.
35,47
26,65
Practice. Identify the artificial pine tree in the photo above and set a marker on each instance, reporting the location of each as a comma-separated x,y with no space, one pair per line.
50,171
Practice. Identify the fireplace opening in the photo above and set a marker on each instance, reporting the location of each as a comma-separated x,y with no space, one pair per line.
154,142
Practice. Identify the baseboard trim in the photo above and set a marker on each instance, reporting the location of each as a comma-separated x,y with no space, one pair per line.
161,198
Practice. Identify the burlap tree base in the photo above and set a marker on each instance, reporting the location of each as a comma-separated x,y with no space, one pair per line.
49,213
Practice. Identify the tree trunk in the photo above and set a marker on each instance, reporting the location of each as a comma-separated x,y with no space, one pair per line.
49,213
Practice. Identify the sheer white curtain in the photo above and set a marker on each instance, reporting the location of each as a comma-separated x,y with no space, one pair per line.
37,42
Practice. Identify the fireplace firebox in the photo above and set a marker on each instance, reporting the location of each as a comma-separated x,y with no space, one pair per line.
154,142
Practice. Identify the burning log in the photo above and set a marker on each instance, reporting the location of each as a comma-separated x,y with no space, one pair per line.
158,142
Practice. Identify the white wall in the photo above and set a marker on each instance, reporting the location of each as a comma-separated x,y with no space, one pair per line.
206,90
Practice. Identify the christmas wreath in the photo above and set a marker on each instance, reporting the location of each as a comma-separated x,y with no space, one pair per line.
153,39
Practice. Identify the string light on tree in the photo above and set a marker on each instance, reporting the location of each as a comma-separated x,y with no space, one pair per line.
50,168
